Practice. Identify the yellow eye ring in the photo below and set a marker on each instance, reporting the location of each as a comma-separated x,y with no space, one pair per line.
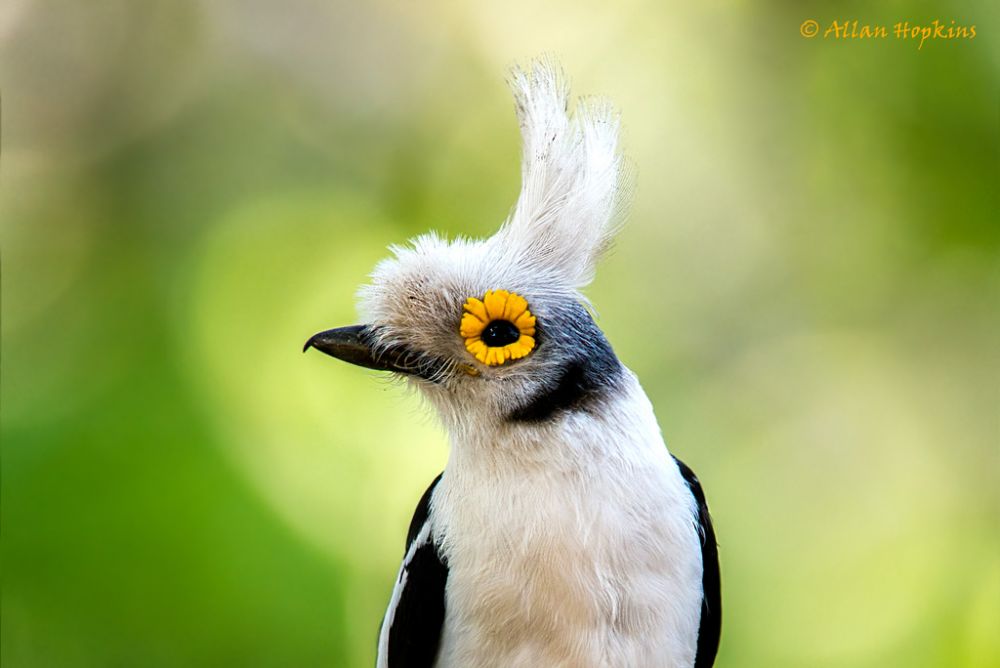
498,327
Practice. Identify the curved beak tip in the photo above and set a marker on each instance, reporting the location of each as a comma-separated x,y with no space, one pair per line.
349,344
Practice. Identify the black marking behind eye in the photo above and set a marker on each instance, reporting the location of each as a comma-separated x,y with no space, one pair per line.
500,333
588,371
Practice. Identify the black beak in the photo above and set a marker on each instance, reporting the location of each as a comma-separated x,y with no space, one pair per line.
354,344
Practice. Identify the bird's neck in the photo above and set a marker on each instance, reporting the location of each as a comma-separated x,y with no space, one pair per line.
620,429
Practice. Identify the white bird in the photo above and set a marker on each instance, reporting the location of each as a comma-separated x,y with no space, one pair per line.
561,532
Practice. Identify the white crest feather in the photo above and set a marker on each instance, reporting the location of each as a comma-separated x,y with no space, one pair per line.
572,178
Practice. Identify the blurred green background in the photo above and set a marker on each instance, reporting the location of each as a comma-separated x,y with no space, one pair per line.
807,287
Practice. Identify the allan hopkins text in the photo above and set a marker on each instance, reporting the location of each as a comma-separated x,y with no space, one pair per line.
904,30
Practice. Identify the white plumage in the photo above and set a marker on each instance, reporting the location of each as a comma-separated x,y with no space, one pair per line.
562,532
572,545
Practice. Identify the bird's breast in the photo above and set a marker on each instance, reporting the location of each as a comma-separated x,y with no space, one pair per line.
597,567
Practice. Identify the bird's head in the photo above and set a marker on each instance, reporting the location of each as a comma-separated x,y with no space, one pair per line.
497,329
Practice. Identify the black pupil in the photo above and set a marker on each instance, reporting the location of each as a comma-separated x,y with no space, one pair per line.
500,333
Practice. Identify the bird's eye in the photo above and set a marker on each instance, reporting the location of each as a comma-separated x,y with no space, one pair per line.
500,333
498,327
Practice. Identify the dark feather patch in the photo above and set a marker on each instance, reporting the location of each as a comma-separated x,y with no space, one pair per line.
710,627
417,620
570,391
420,514
415,634
589,370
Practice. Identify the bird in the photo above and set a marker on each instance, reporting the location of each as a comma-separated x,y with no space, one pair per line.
562,531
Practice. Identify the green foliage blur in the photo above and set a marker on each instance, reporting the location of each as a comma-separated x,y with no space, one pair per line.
807,288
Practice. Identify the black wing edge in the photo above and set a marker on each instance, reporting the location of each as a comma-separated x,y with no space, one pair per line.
415,634
710,628
421,512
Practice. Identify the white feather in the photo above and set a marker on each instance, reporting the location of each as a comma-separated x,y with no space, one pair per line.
572,178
